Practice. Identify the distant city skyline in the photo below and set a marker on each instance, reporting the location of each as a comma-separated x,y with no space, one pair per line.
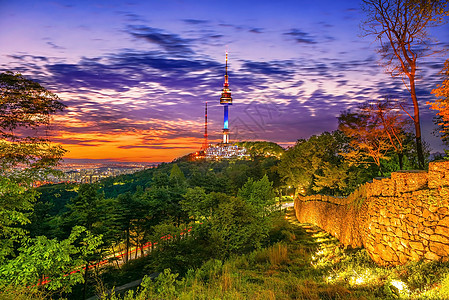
135,75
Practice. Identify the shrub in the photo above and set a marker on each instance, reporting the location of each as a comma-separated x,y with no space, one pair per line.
278,254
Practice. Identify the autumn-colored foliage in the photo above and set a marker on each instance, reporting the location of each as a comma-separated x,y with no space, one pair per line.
442,103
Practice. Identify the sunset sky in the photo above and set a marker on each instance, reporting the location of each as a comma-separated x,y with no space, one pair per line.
135,74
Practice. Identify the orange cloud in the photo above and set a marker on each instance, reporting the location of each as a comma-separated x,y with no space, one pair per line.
126,146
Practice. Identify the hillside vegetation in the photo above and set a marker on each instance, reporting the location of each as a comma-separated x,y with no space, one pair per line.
304,263
230,206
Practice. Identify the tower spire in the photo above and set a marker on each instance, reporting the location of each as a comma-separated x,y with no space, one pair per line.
226,71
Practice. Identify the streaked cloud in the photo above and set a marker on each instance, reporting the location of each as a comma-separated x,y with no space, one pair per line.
300,36
137,77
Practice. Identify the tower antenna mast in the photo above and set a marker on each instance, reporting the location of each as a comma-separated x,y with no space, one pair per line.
206,142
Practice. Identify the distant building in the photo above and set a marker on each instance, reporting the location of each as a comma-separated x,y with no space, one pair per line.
225,151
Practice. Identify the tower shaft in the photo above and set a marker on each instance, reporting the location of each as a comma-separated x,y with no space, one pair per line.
225,125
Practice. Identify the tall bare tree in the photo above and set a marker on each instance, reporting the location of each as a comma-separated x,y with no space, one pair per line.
401,27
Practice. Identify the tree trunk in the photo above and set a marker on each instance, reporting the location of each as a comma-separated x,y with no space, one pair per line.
127,245
401,160
121,251
416,121
115,257
85,281
137,248
419,151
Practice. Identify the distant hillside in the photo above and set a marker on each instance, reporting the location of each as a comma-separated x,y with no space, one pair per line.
262,148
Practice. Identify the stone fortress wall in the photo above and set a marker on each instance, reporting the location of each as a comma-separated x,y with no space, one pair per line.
397,219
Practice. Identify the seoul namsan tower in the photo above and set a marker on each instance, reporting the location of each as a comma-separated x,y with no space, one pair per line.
226,100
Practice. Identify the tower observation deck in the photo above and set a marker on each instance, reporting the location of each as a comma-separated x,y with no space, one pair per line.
226,100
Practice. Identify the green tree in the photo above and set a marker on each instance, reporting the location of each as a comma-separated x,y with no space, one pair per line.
50,264
262,148
90,210
237,174
177,176
83,210
401,27
25,112
195,203
259,193
125,207
316,165
238,227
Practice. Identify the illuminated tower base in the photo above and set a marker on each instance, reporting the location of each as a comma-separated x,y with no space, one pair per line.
225,136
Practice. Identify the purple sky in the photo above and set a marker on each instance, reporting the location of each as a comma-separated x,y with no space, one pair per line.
135,75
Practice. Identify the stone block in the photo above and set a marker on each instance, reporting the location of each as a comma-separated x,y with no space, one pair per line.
395,222
439,248
444,231
430,223
435,217
443,211
433,209
420,226
428,230
403,258
414,219
385,252
431,256
444,222
416,245
439,238
415,256
426,213
423,235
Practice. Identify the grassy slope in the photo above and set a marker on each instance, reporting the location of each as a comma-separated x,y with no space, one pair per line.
309,264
